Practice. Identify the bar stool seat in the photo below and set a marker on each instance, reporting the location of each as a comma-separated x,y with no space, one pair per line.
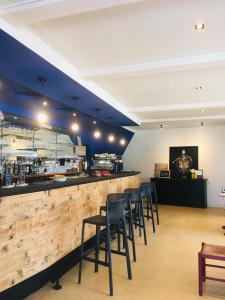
96,220
213,252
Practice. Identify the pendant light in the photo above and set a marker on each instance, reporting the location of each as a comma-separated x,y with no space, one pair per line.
75,125
42,116
122,142
97,133
111,138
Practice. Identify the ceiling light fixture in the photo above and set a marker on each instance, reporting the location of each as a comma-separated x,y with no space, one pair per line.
203,110
122,142
75,127
45,103
97,134
42,117
198,88
74,114
94,122
200,26
111,138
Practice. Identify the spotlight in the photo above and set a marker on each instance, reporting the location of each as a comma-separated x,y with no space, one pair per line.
74,114
199,26
94,122
97,134
75,127
111,138
122,142
45,103
42,117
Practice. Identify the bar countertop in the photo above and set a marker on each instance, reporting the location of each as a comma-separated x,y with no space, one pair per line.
50,185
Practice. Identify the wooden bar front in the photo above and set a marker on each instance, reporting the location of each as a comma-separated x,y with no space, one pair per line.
38,229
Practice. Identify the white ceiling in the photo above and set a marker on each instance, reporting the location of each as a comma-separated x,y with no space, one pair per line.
144,56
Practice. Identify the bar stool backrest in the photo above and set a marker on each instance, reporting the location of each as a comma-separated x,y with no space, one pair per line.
118,196
135,194
115,210
145,190
150,185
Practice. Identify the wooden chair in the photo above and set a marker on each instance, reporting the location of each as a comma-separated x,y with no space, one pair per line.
209,252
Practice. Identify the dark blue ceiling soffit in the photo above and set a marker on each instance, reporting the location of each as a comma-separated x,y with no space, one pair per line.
23,66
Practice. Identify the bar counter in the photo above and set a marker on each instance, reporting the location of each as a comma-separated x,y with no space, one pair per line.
40,226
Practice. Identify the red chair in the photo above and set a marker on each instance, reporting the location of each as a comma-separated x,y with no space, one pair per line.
209,252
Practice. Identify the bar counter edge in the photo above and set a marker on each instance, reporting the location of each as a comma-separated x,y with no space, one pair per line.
50,185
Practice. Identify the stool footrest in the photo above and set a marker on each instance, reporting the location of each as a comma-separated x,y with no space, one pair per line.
213,278
100,262
214,266
113,251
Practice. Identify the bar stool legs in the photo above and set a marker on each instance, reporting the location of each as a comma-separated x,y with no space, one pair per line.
97,240
81,253
143,221
108,245
156,210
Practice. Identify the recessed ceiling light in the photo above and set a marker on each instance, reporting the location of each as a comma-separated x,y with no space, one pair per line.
94,122
198,88
45,103
74,114
199,26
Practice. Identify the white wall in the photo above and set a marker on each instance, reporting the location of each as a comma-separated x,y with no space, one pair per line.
152,146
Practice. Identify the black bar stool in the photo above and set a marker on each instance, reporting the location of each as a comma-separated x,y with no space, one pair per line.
138,212
153,193
128,217
114,216
146,193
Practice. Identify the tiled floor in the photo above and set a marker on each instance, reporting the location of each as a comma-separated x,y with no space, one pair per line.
166,269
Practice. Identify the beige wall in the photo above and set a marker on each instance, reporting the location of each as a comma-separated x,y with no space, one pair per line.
148,147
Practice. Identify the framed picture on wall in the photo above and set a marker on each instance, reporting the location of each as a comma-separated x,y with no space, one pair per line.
182,160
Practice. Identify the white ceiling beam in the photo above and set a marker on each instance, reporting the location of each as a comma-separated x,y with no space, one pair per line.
175,107
157,67
34,43
24,5
58,9
200,118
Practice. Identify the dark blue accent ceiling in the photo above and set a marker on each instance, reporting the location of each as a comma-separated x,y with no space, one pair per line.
20,94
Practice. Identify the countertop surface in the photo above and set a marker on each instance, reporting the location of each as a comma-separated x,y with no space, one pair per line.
49,185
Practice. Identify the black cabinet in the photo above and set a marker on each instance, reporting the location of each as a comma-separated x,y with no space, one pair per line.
182,192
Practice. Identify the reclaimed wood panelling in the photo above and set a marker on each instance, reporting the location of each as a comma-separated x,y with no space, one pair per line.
38,229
